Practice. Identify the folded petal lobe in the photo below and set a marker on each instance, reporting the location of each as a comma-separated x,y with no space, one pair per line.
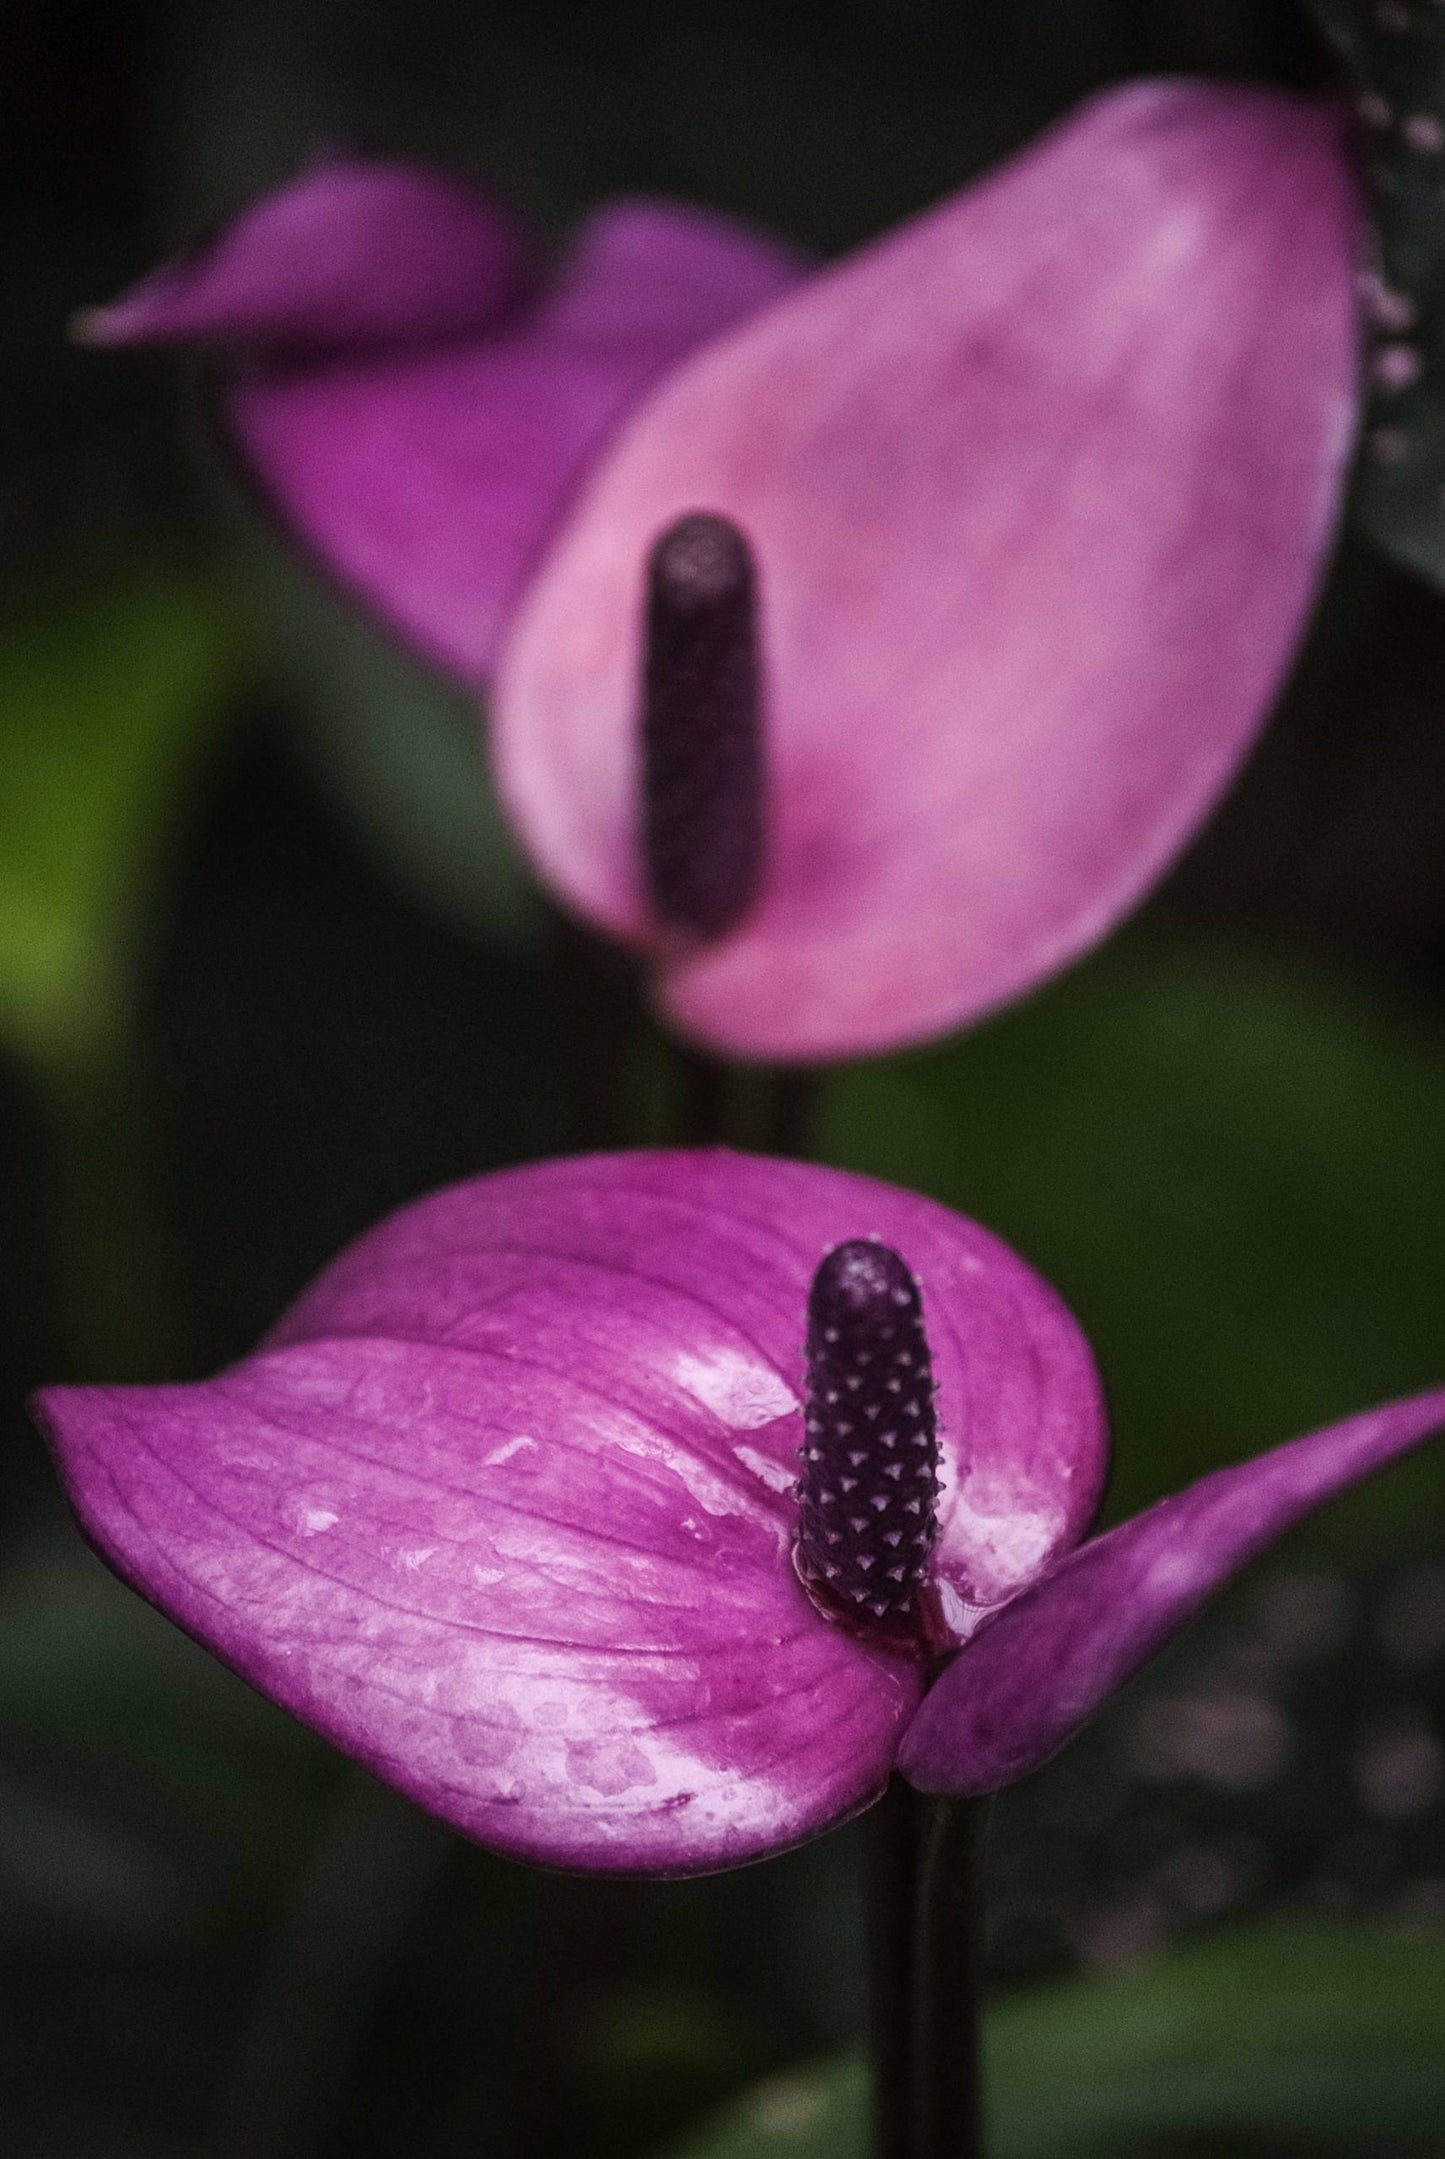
416,427
1039,488
1040,1669
355,252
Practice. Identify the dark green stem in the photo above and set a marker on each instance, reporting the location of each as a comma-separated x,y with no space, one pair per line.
891,1860
791,1127
922,1887
607,1011
705,1098
948,2084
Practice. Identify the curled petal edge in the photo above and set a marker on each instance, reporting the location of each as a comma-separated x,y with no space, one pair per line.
1034,1675
353,253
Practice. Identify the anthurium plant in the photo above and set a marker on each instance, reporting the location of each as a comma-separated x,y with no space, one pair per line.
860,644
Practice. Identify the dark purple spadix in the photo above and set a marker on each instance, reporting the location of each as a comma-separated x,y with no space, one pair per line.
869,1482
702,752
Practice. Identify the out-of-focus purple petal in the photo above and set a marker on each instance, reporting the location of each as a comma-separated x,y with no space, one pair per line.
428,477
1033,1675
425,466
667,1276
1039,488
354,252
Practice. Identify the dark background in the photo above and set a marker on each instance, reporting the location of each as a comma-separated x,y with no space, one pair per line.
1224,1137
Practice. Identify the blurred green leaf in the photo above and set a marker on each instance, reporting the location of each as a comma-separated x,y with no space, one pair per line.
1301,2040
1231,1165
1394,51
400,754
657,2053
142,1787
158,1821
104,700
814,2113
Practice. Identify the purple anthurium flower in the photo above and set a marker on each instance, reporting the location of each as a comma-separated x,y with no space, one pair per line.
536,1505
1031,498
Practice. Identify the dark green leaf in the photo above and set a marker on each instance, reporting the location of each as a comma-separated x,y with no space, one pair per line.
1321,2041
104,700
401,755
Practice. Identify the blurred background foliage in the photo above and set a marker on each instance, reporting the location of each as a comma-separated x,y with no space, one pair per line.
1285,2039
269,965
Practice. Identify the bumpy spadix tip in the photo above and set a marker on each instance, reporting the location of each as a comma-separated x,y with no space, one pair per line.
869,1482
702,751
702,561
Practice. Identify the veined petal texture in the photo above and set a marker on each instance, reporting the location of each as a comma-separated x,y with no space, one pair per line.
1039,488
558,1627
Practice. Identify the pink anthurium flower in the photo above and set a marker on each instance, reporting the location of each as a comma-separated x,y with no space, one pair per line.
535,1505
1024,505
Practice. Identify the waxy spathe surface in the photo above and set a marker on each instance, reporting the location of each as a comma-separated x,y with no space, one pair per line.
504,1507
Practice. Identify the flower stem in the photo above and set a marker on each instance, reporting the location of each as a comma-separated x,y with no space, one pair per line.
894,1846
948,2112
705,1097
607,1016
791,1127
922,1869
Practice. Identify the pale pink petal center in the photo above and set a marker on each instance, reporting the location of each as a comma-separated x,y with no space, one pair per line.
1039,489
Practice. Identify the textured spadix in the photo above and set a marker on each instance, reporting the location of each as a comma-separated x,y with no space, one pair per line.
703,783
868,1481
413,398
1038,487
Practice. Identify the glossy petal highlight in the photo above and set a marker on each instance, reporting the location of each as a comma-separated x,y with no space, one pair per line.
693,1271
553,1624
504,1507
426,468
1038,1671
1039,489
